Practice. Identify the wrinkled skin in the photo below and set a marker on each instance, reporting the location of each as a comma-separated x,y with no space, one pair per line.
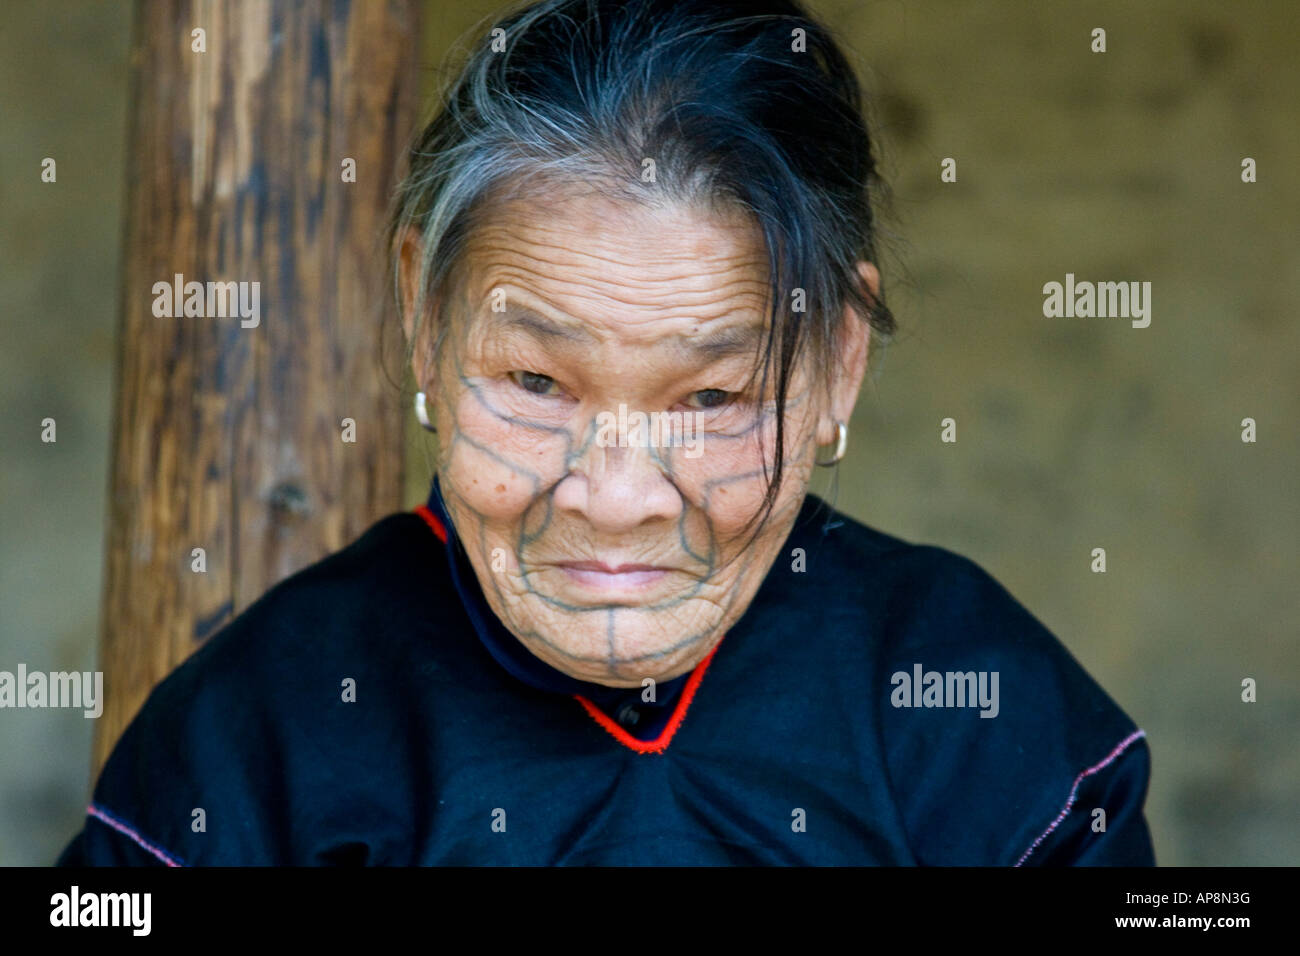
605,303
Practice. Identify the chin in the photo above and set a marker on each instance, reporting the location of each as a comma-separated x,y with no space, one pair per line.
619,647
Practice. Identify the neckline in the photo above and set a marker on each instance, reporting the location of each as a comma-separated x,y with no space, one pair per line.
660,743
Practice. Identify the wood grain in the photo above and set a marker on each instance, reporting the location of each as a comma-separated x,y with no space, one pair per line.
225,437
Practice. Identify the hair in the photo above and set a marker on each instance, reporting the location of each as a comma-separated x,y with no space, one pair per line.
716,92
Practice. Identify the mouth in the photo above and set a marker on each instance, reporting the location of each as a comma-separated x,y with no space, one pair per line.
598,577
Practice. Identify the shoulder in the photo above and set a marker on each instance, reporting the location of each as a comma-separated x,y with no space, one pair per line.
990,727
257,717
326,610
911,598
915,603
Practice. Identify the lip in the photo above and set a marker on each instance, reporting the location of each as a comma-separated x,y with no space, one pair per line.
604,568
597,576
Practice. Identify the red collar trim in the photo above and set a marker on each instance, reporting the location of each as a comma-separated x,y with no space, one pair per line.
660,743
432,521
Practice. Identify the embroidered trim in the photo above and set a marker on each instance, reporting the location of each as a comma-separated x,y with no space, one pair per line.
660,743
107,818
1074,791
432,521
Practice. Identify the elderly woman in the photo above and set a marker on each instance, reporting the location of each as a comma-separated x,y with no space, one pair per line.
635,259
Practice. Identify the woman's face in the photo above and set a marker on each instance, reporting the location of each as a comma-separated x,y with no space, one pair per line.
617,553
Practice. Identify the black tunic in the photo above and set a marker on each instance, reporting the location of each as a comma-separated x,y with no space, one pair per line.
811,735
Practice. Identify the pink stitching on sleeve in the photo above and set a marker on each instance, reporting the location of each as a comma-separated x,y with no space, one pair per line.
105,817
1074,791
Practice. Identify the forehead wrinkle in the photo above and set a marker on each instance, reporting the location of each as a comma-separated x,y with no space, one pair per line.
639,297
591,249
624,283
681,234
606,319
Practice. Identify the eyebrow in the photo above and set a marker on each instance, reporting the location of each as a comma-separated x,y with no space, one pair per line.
539,326
711,346
725,343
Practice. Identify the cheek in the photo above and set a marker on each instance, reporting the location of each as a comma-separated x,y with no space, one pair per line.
729,477
497,463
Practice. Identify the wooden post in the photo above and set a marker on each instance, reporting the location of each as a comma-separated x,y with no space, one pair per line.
229,426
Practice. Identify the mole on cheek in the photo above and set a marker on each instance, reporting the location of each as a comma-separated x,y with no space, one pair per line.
501,489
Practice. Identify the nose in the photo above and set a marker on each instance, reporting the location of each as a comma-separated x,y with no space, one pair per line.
618,489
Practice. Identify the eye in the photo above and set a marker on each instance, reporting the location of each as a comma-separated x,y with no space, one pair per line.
533,382
711,397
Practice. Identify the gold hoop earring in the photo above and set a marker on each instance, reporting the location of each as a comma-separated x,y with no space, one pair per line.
841,443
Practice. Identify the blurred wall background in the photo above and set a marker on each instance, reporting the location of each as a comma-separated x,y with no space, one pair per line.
1072,433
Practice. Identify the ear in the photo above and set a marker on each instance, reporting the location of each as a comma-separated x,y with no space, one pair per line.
409,260
408,265
854,338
